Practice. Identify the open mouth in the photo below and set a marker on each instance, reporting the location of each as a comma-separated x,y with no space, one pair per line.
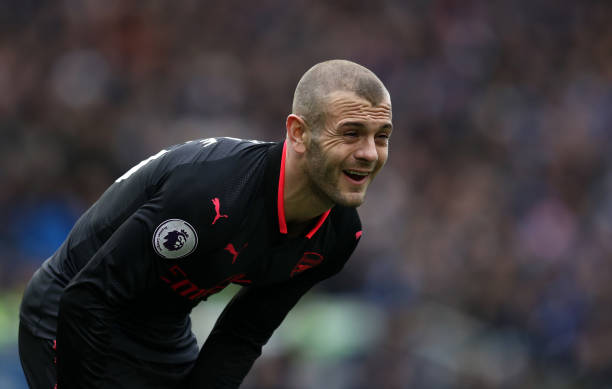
356,176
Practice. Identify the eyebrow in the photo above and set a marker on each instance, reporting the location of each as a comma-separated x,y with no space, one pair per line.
386,126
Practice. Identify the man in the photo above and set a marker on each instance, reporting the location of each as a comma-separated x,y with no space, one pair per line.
110,309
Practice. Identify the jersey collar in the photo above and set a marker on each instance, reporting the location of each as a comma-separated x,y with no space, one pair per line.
280,203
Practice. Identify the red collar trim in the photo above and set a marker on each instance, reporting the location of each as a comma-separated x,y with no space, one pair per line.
319,224
280,201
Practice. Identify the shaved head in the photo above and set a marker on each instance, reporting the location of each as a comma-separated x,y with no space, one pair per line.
311,94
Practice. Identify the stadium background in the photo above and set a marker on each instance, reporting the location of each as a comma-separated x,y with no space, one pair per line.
487,241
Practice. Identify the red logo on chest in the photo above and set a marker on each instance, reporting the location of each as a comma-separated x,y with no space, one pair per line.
217,204
182,285
308,260
233,252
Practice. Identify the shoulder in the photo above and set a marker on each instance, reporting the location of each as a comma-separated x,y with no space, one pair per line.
157,168
210,150
208,183
209,163
199,176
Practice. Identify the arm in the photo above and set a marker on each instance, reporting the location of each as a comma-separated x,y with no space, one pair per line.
117,273
126,266
245,326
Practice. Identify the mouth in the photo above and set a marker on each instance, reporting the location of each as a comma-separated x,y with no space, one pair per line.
356,176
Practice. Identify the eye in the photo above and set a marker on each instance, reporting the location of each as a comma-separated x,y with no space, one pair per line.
351,134
383,137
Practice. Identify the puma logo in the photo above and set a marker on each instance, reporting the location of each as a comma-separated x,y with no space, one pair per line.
218,215
232,250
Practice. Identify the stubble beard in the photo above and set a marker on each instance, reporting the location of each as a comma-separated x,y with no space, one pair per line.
324,179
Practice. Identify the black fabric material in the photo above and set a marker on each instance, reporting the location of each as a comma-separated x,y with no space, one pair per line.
37,357
118,301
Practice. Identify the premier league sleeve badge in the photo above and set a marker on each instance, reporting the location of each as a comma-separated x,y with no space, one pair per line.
175,238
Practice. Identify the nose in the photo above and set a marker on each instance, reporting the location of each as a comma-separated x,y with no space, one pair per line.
367,150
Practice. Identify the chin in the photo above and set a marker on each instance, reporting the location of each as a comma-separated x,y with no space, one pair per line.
351,200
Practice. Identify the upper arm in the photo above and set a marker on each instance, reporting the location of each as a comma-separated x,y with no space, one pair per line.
122,268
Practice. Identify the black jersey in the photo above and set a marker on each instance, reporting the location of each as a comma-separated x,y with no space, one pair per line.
175,229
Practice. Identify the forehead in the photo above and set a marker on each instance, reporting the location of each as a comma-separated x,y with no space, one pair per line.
347,105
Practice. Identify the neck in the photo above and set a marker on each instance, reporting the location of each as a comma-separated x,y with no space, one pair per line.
302,204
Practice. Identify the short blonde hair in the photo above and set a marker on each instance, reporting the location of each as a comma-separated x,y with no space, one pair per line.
310,97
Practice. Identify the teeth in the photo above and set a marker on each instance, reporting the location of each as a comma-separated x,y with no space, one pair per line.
357,173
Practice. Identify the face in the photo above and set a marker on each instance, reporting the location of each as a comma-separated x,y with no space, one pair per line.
344,156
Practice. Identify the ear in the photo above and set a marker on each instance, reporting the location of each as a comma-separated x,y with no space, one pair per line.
296,133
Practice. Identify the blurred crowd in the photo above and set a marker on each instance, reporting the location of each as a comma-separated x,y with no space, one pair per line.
487,253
